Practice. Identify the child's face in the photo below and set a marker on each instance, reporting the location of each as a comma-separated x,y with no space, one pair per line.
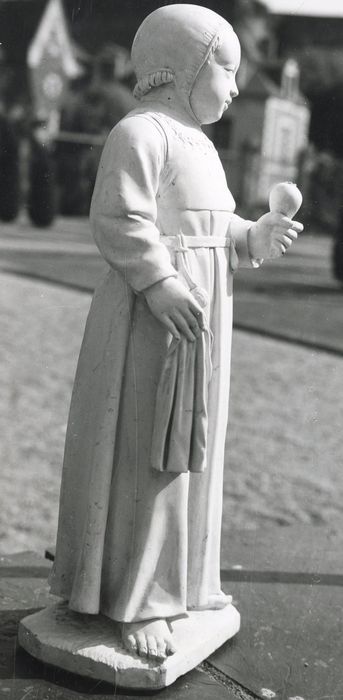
215,86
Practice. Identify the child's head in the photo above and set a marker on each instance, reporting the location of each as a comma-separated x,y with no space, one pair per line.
195,50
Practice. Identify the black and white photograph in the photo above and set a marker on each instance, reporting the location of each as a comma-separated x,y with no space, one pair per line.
171,376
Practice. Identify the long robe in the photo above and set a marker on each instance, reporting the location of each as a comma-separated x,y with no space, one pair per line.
135,543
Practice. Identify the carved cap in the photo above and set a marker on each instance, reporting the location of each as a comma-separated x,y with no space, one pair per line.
172,44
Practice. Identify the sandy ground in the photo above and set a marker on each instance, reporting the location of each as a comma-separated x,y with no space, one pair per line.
284,450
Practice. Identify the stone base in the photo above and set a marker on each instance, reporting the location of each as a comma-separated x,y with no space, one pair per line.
90,645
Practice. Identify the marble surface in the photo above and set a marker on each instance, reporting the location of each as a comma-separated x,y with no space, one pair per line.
90,645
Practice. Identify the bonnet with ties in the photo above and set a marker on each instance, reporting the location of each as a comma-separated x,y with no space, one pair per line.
172,45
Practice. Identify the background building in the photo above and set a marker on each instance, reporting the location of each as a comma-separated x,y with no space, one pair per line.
66,65
266,132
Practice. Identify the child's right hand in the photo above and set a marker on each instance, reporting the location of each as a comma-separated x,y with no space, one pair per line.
174,306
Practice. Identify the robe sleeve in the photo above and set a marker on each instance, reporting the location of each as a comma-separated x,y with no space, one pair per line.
124,210
239,230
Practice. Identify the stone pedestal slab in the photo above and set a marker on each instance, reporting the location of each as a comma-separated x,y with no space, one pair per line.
90,645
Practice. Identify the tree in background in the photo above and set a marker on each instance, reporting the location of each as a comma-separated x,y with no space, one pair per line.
95,24
322,83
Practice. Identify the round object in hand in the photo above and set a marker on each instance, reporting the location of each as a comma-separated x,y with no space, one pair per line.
286,198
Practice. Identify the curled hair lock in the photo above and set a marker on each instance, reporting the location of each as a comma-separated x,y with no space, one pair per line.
147,82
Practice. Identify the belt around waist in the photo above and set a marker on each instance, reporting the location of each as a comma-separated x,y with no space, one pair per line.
181,242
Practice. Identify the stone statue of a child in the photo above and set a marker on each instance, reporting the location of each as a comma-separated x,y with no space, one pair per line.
141,497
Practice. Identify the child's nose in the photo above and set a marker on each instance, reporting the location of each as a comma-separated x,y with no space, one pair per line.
234,90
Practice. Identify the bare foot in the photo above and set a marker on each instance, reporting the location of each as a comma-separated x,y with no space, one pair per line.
215,602
149,638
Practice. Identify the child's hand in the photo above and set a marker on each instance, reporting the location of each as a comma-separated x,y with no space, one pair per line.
272,234
174,306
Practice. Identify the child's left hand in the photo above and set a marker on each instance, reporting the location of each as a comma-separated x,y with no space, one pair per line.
272,234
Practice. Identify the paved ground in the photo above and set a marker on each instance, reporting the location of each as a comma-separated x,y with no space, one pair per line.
295,298
287,586
287,583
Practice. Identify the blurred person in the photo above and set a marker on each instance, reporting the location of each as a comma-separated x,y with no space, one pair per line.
10,186
100,101
41,185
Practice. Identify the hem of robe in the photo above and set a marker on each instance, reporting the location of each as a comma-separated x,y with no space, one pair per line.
160,612
158,615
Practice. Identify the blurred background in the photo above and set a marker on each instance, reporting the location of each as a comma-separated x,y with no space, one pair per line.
65,81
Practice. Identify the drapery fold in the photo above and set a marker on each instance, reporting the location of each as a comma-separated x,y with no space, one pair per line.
180,427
